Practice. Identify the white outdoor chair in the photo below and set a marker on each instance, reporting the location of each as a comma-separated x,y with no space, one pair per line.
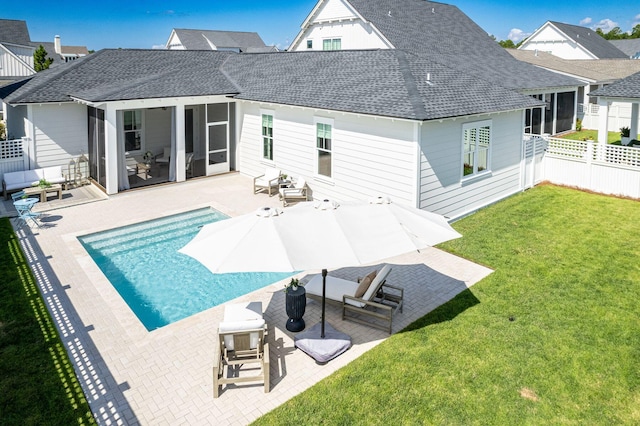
165,157
269,180
242,345
296,192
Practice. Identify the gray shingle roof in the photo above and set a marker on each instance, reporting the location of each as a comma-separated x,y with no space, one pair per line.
15,32
630,47
197,39
123,74
389,83
591,41
598,70
626,88
445,34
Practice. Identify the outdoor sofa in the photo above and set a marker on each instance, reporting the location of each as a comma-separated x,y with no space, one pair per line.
16,181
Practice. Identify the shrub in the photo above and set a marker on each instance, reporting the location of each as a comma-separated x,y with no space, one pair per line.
578,125
625,132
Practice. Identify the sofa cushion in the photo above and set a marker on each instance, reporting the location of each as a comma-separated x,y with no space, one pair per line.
53,174
365,283
12,178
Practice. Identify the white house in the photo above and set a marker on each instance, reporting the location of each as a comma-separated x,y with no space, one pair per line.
59,52
16,52
595,74
571,42
234,41
353,123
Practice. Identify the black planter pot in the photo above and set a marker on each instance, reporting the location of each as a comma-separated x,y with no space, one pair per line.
296,303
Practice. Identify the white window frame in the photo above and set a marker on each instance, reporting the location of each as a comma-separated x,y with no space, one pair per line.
318,150
140,131
478,152
264,112
332,41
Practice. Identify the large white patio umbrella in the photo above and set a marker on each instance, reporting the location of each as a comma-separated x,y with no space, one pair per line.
316,235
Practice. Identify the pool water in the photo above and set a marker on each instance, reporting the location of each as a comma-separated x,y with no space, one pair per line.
160,285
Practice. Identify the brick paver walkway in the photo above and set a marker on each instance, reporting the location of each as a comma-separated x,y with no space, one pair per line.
132,376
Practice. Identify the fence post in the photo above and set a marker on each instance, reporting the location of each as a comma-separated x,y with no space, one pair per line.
25,152
589,153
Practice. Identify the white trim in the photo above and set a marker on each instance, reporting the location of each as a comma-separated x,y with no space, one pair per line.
464,179
327,121
273,138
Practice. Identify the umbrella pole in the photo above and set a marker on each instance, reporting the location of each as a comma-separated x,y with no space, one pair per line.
324,289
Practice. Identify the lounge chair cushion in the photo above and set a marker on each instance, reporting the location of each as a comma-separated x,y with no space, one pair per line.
382,275
365,283
241,326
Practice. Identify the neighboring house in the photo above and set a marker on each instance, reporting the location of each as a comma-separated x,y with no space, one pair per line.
355,124
630,47
60,53
595,74
16,52
571,42
444,34
626,90
234,41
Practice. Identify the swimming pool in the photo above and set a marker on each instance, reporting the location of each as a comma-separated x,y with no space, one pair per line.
160,285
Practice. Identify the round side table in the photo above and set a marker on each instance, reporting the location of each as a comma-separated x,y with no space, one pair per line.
296,303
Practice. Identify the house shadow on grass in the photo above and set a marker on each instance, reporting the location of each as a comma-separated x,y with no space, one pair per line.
104,395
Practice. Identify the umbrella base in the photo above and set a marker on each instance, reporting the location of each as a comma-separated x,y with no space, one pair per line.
322,350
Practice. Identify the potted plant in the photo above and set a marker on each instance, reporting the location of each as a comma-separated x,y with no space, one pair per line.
43,183
625,135
147,157
292,285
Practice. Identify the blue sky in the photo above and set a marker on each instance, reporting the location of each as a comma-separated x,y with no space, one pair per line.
148,23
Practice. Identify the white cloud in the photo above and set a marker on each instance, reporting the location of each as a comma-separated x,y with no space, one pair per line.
586,21
605,25
516,34
636,20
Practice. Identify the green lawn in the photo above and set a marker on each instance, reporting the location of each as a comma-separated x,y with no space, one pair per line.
551,337
612,137
37,383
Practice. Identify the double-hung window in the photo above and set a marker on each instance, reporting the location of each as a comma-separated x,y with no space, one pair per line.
267,136
323,148
132,130
476,141
332,44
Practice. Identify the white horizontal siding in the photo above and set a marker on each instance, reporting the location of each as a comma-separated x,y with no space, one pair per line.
60,133
353,35
370,157
441,187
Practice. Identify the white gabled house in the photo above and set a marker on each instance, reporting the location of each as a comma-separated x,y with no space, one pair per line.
354,123
571,42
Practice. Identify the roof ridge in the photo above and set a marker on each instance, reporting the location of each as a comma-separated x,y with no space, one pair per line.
416,101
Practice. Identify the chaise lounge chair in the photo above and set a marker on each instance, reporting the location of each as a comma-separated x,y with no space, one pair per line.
362,301
242,343
269,180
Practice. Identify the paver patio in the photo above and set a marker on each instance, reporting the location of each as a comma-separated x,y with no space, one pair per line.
132,376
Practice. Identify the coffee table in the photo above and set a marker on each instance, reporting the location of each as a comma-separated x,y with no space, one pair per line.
36,190
144,167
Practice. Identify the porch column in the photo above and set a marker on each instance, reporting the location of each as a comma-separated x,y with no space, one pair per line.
634,120
179,140
111,150
603,124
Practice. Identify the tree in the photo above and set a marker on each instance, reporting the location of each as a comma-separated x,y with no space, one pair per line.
507,44
40,60
635,33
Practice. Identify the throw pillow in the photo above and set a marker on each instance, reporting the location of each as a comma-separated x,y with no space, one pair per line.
365,283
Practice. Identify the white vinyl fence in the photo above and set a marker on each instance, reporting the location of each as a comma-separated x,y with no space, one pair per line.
603,168
13,156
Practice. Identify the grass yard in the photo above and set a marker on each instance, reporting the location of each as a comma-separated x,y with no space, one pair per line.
551,337
37,383
612,137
